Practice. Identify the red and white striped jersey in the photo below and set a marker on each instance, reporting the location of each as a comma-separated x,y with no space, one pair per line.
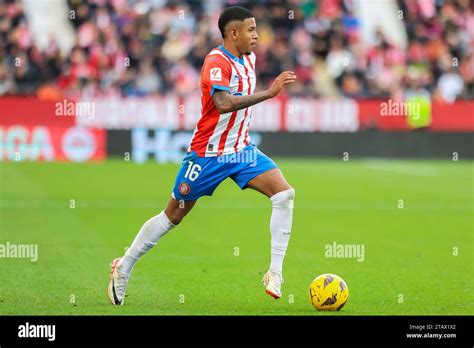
220,134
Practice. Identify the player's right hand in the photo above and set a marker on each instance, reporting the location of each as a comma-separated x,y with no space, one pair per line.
285,78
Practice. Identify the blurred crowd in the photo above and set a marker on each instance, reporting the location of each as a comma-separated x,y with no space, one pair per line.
135,48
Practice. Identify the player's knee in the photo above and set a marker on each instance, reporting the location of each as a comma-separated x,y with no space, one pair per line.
176,220
283,199
175,215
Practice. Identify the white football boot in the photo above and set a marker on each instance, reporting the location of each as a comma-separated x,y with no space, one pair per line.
272,282
118,284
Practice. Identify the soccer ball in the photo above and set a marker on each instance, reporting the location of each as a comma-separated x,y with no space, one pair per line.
328,292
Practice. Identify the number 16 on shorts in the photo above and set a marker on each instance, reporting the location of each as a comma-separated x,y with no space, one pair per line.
193,171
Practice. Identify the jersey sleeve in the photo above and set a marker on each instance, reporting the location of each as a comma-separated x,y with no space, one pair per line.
216,74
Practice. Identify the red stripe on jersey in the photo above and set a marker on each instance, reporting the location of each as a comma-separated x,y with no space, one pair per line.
234,114
246,141
246,110
246,138
250,62
240,130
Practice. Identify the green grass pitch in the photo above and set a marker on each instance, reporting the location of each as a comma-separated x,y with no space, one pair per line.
418,260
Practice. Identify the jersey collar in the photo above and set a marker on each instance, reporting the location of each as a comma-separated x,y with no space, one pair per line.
231,56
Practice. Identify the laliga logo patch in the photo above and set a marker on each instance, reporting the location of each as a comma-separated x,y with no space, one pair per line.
184,188
216,74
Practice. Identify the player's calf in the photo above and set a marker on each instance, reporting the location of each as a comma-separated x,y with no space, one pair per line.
280,228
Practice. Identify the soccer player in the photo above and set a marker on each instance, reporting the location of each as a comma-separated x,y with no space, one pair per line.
221,148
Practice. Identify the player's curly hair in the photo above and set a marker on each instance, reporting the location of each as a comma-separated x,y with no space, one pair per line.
233,13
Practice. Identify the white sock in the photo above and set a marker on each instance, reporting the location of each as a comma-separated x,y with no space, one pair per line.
280,227
147,237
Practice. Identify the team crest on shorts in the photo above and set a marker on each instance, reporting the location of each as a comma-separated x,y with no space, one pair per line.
184,188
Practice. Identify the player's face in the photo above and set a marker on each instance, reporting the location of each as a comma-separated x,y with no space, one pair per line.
248,36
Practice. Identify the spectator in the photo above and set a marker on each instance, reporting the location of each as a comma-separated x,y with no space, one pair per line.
142,48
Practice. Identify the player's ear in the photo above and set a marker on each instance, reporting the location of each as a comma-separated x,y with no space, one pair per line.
234,33
235,29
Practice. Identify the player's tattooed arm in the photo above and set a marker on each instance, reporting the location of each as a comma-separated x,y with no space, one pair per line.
225,102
